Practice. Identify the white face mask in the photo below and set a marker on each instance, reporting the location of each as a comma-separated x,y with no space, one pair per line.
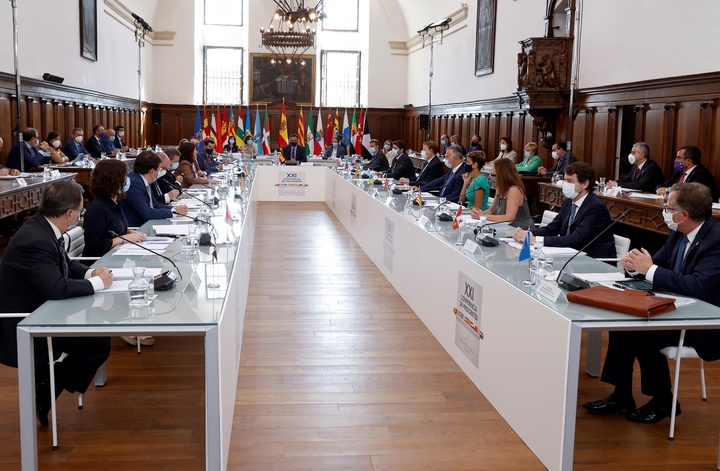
668,217
554,155
423,154
568,190
79,139
631,159
161,173
447,163
56,143
503,147
121,133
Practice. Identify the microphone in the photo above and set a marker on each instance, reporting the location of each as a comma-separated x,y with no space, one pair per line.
487,240
205,237
164,281
187,193
571,282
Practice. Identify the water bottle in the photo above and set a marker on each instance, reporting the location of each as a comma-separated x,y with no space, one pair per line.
47,173
138,288
540,262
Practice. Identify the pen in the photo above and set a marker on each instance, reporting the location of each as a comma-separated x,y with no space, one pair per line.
623,287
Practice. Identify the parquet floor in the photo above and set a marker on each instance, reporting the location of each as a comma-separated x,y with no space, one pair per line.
337,373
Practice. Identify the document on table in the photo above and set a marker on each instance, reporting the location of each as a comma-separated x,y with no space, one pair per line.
127,273
558,251
648,196
131,249
118,286
601,277
171,230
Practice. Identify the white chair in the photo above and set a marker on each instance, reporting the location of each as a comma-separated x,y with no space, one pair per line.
53,411
547,217
678,353
622,247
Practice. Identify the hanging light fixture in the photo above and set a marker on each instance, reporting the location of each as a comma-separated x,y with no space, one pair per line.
294,30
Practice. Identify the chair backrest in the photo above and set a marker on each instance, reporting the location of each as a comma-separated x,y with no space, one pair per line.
547,218
74,242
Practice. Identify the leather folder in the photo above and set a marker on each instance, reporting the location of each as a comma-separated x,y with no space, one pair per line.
637,303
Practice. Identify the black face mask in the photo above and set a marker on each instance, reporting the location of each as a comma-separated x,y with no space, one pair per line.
475,143
468,168
209,151
293,144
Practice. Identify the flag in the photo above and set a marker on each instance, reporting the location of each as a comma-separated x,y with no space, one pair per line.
258,130
265,148
231,125
301,129
310,141
456,220
419,200
353,134
525,251
198,123
240,129
358,141
336,124
319,138
223,129
248,127
205,125
329,134
346,133
213,125
366,138
283,134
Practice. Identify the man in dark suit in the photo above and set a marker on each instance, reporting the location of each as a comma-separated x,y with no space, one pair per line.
401,166
120,138
335,150
139,204
164,188
562,159
31,155
4,170
433,168
73,147
379,162
582,217
205,157
292,152
688,264
450,184
455,141
645,174
94,145
35,268
688,169
475,143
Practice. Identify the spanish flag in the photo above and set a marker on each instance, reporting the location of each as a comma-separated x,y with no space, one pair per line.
418,199
456,221
283,134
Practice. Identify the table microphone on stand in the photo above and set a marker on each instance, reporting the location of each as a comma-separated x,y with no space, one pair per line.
164,281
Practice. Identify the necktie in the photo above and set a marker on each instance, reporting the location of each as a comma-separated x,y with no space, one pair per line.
447,180
422,172
682,177
637,173
573,210
150,196
293,153
63,256
680,254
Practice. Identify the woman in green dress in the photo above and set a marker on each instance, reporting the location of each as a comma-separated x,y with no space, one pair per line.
476,188
532,161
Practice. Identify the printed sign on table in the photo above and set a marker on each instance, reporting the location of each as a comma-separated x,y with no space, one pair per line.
467,316
291,183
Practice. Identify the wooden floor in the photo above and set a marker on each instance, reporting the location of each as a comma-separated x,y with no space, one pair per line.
337,373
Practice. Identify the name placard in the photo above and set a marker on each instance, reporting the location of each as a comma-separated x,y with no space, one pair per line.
549,291
21,182
470,246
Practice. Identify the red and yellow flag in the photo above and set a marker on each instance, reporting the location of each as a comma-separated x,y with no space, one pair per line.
336,125
283,134
301,129
456,221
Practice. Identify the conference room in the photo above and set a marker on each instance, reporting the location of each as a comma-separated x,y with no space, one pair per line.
314,312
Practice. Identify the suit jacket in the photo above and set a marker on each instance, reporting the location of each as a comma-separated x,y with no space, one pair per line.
136,204
379,163
401,167
562,163
108,145
72,149
339,154
190,177
590,218
31,273
299,153
168,182
700,174
94,146
206,162
432,170
450,184
651,176
31,156
119,143
699,277
102,216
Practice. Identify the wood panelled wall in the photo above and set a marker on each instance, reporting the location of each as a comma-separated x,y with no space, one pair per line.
48,106
667,114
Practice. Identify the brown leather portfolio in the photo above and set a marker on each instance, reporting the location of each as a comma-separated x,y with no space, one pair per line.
637,303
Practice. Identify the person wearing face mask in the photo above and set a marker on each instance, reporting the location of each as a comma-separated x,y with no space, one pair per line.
645,174
169,181
294,153
688,264
450,184
164,188
582,216
139,204
455,141
35,268
401,166
206,158
379,162
186,172
56,154
531,161
120,139
31,154
4,170
475,144
510,203
387,150
73,147
335,150
108,184
94,144
433,169
476,188
506,150
688,169
445,142
230,147
108,142
562,159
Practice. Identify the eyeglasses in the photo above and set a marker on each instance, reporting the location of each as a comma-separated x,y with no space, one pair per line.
79,214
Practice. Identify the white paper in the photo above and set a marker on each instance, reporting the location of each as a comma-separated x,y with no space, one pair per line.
127,273
118,286
600,277
648,196
171,229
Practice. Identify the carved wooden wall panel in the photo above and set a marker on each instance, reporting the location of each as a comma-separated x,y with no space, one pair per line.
688,124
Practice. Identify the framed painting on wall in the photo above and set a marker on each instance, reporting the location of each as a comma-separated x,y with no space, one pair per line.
88,29
295,82
485,39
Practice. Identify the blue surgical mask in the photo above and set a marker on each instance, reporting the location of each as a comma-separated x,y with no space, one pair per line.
443,142
174,165
447,163
373,150
112,138
73,226
387,147
527,154
335,144
126,185
103,134
394,152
